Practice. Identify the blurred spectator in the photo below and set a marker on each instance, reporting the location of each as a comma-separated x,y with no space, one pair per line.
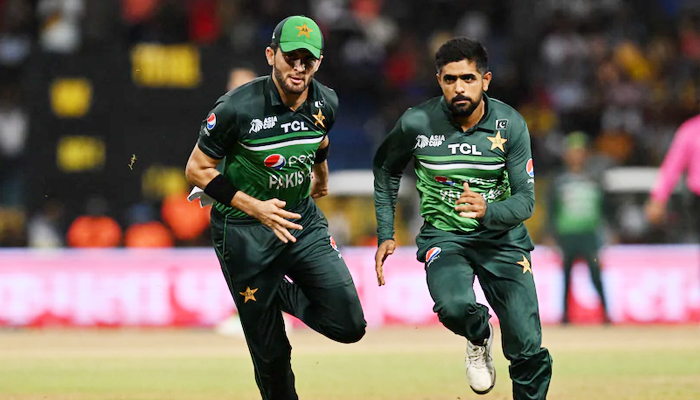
576,217
240,76
204,21
45,229
14,130
12,221
15,37
60,25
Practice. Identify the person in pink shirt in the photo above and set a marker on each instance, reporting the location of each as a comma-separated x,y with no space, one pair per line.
683,156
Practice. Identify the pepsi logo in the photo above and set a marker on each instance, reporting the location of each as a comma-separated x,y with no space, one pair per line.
211,121
432,254
333,245
530,168
275,161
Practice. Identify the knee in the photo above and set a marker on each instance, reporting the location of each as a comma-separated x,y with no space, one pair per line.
353,336
354,331
456,309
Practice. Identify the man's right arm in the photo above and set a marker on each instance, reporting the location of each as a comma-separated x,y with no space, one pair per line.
201,171
389,162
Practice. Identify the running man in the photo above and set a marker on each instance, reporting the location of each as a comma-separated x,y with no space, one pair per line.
476,182
273,133
682,156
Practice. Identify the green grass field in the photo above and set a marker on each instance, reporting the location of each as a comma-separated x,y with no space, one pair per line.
389,364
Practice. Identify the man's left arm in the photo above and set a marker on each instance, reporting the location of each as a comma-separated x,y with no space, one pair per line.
519,206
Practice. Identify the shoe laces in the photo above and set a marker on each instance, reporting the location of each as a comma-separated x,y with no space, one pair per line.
477,356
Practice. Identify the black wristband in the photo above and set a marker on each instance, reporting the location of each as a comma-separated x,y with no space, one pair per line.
221,190
322,154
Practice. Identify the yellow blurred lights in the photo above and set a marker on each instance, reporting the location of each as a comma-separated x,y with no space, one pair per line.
71,97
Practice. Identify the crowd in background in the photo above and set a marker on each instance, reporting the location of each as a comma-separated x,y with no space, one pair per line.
625,73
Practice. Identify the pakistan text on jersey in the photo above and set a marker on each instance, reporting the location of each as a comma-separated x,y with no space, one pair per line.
287,181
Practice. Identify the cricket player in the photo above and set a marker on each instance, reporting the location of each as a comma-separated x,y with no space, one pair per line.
273,133
682,156
575,211
476,183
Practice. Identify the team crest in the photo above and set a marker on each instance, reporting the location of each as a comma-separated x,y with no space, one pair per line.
530,168
275,161
211,121
432,255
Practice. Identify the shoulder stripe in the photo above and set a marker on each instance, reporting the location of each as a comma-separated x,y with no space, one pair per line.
281,138
443,167
282,144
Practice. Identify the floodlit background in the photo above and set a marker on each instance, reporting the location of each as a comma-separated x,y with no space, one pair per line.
100,106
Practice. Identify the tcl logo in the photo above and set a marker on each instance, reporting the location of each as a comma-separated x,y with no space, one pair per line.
294,126
464,148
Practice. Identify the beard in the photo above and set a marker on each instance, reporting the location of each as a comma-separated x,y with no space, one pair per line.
464,110
287,88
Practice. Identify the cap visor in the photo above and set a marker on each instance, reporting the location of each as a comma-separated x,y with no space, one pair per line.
291,46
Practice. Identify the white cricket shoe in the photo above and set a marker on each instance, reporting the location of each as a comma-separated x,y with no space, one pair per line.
480,372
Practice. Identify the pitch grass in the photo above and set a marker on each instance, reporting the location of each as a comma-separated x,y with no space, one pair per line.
389,364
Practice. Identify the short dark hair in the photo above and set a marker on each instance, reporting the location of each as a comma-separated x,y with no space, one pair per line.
461,48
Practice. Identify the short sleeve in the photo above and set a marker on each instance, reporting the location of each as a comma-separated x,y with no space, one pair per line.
218,131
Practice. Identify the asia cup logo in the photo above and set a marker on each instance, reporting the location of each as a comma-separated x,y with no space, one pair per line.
275,161
432,255
211,121
530,168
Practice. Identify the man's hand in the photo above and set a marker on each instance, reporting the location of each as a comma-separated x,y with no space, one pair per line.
470,204
655,211
385,250
319,187
273,215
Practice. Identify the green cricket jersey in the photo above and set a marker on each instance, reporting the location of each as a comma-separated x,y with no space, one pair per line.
494,157
575,204
269,148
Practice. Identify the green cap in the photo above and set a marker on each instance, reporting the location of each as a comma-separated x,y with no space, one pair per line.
577,140
298,32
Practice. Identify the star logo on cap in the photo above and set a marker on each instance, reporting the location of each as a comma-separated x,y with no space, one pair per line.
304,31
525,264
497,142
249,294
319,119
